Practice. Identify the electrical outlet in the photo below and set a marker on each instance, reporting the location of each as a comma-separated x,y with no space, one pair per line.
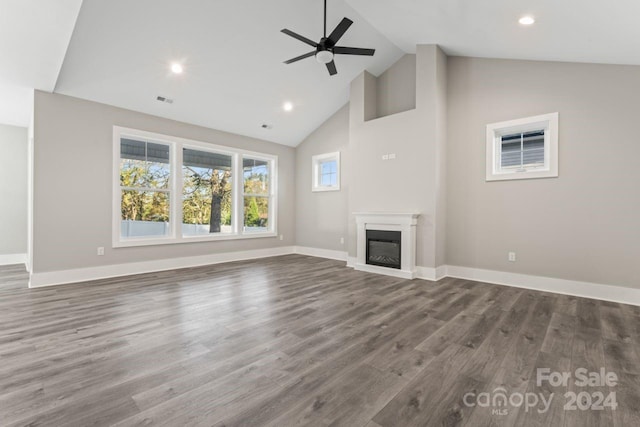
512,256
281,237
392,156
100,251
385,157
342,240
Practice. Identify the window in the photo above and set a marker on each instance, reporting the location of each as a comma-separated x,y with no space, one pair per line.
172,190
206,192
144,188
257,194
523,148
326,172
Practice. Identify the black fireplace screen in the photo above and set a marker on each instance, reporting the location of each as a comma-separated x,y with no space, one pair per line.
383,248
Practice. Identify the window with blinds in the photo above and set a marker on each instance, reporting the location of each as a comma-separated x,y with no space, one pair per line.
523,148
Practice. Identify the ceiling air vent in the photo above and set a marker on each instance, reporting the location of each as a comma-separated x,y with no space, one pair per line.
163,99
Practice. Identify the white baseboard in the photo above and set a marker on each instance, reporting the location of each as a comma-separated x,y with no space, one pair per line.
598,291
618,294
426,273
441,272
321,253
11,259
430,273
108,271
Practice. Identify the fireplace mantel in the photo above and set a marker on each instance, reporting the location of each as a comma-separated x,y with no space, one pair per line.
388,221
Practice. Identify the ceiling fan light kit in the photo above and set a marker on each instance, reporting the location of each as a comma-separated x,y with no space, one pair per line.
324,56
326,48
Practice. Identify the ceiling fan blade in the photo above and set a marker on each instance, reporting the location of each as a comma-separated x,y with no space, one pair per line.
298,58
331,66
299,37
342,50
339,31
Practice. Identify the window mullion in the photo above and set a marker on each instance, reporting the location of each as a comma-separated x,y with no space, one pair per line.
273,209
522,150
498,155
176,193
237,195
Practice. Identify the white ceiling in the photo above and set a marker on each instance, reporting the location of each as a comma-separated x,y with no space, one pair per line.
565,30
233,54
34,35
232,51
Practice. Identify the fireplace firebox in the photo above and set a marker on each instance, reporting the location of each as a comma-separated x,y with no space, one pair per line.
383,248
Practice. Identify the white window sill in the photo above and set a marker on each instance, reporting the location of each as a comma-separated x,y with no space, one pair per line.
512,175
151,241
321,189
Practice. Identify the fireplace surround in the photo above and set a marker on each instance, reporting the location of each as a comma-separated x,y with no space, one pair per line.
391,239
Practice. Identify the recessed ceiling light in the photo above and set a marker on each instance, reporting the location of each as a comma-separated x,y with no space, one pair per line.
177,68
526,20
287,106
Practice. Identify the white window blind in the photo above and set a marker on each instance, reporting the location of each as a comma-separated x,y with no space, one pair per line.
522,150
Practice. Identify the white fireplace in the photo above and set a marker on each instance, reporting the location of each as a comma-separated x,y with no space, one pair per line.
380,249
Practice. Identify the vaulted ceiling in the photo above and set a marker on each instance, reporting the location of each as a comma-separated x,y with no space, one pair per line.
34,35
566,30
232,52
121,51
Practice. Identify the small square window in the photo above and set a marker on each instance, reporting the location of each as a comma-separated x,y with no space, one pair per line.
523,148
326,172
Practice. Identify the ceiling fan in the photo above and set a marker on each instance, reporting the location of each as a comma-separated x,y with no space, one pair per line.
326,48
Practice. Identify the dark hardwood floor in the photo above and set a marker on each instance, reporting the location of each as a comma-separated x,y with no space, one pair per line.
295,340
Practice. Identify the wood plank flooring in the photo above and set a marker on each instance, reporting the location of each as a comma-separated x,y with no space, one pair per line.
295,340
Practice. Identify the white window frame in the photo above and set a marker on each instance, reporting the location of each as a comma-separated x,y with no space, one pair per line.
316,161
176,145
273,201
495,132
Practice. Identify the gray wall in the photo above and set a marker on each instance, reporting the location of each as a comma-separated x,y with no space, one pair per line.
13,190
579,226
321,217
72,185
441,189
396,87
582,225
408,183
